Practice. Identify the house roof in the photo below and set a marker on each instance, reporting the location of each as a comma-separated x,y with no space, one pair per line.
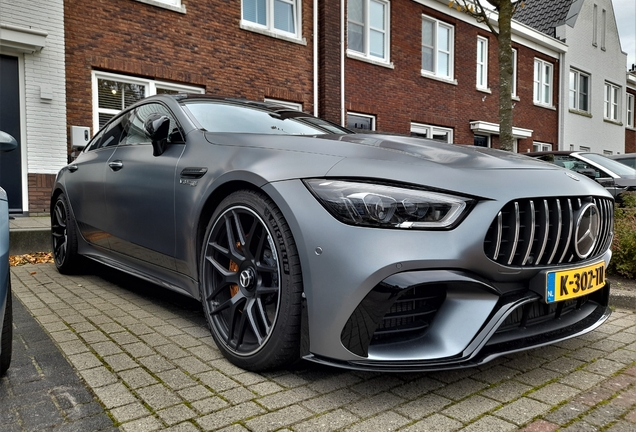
544,15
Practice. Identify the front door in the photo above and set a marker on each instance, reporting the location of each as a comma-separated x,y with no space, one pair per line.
11,162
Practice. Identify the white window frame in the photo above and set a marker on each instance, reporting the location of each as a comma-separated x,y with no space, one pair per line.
584,148
268,28
514,74
150,87
575,102
291,105
540,83
482,63
612,103
607,152
630,110
538,146
429,131
595,26
603,29
436,51
369,116
365,54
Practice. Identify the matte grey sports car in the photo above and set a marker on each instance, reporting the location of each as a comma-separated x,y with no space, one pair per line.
303,240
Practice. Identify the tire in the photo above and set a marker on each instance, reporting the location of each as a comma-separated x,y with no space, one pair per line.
64,237
6,339
251,283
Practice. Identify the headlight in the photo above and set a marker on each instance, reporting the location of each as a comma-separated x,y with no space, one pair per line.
376,205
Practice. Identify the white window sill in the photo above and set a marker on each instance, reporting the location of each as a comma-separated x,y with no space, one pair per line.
157,3
614,122
483,90
426,74
631,128
580,112
516,98
246,25
375,61
540,105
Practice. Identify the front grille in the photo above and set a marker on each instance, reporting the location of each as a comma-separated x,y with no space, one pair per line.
410,315
540,231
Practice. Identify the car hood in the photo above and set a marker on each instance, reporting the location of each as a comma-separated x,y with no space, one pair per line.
385,148
407,160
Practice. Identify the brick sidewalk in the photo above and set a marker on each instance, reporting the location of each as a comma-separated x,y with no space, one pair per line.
149,358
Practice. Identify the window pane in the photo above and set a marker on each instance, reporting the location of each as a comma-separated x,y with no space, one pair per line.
376,15
440,135
255,11
443,38
354,10
284,16
354,39
103,119
583,92
427,33
118,95
359,122
376,44
427,59
443,64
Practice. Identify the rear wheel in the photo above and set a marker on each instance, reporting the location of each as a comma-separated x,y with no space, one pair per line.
7,333
64,237
251,283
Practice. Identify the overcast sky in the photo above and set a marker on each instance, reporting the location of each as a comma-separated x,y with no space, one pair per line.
625,11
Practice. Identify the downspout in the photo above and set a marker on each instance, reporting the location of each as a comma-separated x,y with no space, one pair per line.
342,63
316,58
561,136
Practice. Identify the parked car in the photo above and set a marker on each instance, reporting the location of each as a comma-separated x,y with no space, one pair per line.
612,175
628,159
7,143
303,240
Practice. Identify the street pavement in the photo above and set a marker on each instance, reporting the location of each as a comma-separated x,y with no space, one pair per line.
136,357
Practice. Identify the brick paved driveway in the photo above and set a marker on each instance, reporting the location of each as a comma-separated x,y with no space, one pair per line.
148,356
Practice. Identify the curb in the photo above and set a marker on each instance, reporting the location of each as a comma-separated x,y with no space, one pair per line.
23,241
622,298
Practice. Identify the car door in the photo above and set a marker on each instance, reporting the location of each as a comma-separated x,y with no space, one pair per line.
139,192
85,188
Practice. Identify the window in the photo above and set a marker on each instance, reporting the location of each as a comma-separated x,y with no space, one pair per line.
112,93
432,132
275,16
174,5
542,82
595,26
603,29
630,110
579,90
612,102
584,148
136,132
368,28
360,121
540,146
514,72
482,63
607,152
437,48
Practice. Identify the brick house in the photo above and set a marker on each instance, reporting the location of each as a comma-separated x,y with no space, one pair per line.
630,125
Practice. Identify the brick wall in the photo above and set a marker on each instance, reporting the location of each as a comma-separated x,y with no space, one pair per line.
630,134
401,95
204,47
40,187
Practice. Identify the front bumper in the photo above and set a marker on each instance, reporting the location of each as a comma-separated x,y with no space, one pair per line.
343,265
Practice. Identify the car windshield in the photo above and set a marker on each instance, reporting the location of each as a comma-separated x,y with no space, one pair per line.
231,118
615,166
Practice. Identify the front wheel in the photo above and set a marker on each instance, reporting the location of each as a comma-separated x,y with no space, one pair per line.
64,237
251,284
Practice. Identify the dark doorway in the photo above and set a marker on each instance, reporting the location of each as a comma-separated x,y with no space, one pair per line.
11,162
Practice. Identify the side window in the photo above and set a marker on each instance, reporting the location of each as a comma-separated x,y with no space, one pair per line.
136,133
94,144
115,132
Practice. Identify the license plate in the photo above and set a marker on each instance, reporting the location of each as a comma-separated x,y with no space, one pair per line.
569,284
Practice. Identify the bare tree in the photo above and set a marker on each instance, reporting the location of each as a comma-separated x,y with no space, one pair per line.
503,33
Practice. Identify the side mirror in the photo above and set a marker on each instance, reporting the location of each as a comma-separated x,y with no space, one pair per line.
157,127
7,142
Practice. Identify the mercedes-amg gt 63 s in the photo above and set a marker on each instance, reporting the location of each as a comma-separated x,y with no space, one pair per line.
303,240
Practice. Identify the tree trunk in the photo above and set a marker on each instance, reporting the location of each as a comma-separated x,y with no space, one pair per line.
506,140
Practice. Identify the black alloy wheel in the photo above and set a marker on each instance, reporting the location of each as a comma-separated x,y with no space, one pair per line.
251,303
64,237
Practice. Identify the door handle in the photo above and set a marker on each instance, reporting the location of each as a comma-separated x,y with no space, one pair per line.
116,165
73,168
